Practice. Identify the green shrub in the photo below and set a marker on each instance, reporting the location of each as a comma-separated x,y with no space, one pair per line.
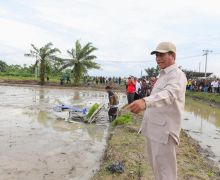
210,173
123,119
92,110
18,74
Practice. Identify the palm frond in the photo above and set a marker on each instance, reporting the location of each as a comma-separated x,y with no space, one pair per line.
89,58
91,65
86,50
48,45
83,51
65,66
90,50
45,56
78,49
51,52
28,55
35,48
36,63
71,53
81,60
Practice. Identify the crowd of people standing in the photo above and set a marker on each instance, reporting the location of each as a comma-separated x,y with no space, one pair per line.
203,85
138,88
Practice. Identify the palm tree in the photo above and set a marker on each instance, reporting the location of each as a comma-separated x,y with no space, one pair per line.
43,56
81,60
3,66
152,72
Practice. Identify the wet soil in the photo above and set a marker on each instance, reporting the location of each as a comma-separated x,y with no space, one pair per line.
37,143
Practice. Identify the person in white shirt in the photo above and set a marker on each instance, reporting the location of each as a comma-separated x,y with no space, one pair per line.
164,107
137,89
212,86
216,85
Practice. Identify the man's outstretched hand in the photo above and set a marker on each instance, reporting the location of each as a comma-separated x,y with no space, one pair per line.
137,106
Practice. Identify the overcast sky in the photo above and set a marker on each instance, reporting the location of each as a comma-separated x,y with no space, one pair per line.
124,31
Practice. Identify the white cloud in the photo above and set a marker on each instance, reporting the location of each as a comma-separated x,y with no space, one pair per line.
124,30
18,34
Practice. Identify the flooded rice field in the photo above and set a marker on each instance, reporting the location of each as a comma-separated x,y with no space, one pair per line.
203,124
37,142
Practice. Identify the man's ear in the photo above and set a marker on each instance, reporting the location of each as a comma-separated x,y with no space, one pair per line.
174,56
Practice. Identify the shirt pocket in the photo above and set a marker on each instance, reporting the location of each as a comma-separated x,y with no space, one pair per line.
161,84
159,87
159,122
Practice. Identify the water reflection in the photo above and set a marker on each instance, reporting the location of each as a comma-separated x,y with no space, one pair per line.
45,100
203,124
42,118
96,132
36,130
76,95
36,104
203,111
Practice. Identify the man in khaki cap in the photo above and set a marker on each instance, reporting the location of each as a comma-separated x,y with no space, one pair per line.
164,107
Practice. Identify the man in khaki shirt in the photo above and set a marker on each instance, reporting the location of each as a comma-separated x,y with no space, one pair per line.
164,107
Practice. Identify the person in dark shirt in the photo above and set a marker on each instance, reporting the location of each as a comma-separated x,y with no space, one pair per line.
113,103
143,88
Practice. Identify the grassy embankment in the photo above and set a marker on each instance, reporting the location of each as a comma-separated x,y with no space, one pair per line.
17,78
26,80
55,81
208,97
126,145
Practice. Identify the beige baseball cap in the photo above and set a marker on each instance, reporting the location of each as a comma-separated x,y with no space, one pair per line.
165,47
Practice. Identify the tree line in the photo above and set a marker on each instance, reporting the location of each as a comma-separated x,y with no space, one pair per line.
81,59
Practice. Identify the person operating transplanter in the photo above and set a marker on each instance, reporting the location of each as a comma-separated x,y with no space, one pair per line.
113,103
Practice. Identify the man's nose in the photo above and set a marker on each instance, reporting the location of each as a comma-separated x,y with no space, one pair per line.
157,58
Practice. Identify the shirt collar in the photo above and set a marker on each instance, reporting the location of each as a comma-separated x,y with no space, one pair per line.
168,69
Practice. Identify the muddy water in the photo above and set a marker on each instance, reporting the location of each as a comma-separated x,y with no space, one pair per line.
37,143
203,124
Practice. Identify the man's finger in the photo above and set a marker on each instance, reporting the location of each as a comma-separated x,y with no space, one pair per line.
135,109
130,106
125,106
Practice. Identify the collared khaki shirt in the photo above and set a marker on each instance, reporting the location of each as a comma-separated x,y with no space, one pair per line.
165,106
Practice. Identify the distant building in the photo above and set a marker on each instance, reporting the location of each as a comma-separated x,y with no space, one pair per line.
194,74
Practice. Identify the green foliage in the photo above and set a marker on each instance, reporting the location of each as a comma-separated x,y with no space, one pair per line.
210,173
44,56
18,74
92,110
16,70
123,119
152,72
81,60
3,66
129,148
